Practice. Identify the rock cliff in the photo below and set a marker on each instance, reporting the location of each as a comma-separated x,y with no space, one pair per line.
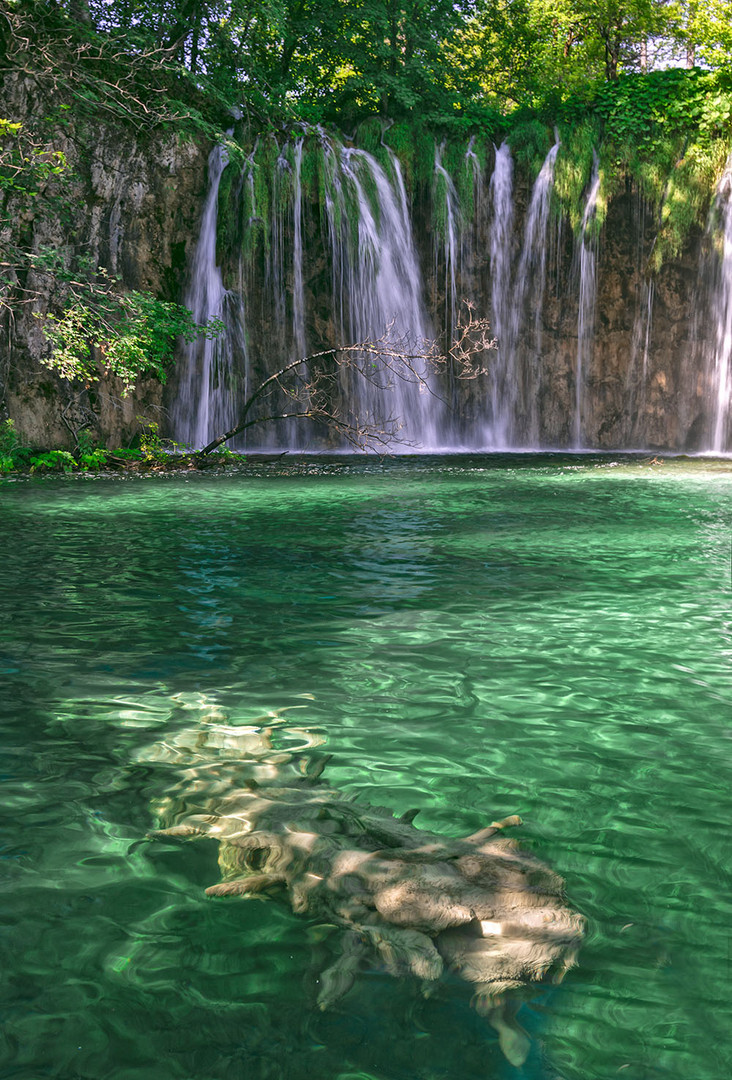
128,202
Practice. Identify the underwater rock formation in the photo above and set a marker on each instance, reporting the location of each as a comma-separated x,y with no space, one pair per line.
415,902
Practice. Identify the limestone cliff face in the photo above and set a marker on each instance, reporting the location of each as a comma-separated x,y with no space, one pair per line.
647,378
130,204
643,377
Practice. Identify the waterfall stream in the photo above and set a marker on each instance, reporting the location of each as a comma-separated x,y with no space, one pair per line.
529,291
204,406
298,289
383,286
587,292
502,382
722,308
446,197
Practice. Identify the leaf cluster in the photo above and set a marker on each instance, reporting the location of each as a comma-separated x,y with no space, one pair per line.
129,335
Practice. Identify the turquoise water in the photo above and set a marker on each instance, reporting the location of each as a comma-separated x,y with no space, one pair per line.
471,636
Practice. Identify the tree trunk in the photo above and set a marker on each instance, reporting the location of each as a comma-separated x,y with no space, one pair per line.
79,11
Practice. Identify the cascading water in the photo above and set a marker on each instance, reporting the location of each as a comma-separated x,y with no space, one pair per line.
447,203
722,309
298,287
204,405
529,285
531,275
502,379
472,236
638,367
275,261
362,279
477,172
587,293
384,288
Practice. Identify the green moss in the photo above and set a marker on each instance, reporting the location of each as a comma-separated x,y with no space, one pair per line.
573,171
687,198
424,156
282,179
369,133
312,159
668,134
530,141
400,137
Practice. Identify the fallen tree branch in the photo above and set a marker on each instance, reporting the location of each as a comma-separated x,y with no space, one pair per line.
377,362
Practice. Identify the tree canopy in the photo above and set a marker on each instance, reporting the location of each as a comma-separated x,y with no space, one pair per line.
341,60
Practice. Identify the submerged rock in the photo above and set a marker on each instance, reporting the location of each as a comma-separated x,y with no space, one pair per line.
415,901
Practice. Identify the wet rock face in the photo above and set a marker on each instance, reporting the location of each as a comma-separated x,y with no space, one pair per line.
127,202
640,375
414,902
645,383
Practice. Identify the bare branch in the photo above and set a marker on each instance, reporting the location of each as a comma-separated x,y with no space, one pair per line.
378,362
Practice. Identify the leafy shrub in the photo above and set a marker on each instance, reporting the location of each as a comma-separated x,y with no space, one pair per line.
132,335
53,461
127,453
8,446
88,454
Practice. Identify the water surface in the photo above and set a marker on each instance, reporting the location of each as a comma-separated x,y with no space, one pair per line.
471,636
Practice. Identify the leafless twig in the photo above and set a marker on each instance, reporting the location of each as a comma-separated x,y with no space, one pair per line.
310,380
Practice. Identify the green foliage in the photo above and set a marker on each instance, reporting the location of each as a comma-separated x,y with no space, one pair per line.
151,445
414,145
530,140
129,335
686,199
669,131
574,168
8,446
53,461
26,163
88,455
370,133
129,453
224,456
153,448
406,76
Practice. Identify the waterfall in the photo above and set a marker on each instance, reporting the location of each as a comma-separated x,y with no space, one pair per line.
529,285
640,350
722,312
477,171
384,298
298,288
472,236
503,376
359,279
587,292
447,203
275,263
532,263
204,405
